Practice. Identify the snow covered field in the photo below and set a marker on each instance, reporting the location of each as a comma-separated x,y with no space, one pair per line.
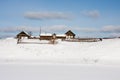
37,60
58,72
105,52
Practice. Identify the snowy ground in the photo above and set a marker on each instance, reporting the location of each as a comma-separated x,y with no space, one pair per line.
59,72
105,52
38,60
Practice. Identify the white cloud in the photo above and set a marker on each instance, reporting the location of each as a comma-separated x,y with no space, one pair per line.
111,28
55,28
51,29
8,29
18,28
115,34
85,29
92,14
47,15
64,28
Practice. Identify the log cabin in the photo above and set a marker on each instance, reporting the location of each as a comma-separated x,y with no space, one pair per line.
23,34
70,35
45,36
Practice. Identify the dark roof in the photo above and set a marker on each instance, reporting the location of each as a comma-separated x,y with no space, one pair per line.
70,33
23,33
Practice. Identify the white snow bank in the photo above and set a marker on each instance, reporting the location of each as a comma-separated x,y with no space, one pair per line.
105,52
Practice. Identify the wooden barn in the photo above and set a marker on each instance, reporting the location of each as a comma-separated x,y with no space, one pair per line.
70,35
62,37
50,36
23,34
45,36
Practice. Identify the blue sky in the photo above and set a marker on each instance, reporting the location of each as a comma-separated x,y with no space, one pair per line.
86,18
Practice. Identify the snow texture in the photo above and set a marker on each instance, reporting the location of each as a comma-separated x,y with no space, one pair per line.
36,51
38,60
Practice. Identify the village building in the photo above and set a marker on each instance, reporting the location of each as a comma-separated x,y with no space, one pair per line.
61,36
70,35
23,34
50,36
45,36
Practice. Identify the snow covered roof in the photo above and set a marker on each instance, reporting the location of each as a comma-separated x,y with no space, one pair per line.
49,34
61,35
35,36
23,33
46,34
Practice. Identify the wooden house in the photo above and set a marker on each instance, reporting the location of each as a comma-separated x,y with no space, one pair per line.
70,35
61,36
45,36
50,36
23,34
